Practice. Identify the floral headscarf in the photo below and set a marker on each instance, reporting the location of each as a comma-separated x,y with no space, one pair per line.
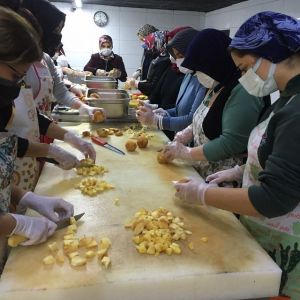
156,41
270,35
146,30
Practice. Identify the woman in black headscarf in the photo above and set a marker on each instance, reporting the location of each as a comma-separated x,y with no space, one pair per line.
222,123
51,20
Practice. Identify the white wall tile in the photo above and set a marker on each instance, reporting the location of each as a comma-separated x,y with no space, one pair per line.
162,21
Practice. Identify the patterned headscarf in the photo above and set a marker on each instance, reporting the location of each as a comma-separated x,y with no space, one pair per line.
156,41
146,30
105,39
270,35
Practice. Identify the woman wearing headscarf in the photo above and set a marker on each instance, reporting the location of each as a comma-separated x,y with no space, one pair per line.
43,78
29,124
222,123
20,48
190,95
166,91
106,62
155,42
148,55
266,48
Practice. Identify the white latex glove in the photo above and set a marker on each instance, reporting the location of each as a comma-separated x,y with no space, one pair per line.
146,116
36,229
160,112
76,89
147,104
233,174
82,145
177,150
65,160
131,83
53,208
184,136
114,73
85,109
136,74
192,191
100,72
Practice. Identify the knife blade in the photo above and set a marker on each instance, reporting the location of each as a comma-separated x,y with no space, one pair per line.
15,239
106,145
66,222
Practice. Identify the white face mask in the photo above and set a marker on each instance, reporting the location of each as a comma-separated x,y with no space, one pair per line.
205,80
172,59
182,69
254,85
55,56
106,51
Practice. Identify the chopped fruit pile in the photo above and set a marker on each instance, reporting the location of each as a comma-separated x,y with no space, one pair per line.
91,170
78,250
92,186
157,232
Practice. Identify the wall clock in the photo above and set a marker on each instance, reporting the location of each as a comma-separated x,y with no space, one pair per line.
100,18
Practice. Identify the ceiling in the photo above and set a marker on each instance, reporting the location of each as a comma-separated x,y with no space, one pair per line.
191,5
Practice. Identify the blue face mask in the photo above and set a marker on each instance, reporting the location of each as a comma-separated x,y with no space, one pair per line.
143,45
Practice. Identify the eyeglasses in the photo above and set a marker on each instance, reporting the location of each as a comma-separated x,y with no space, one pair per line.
19,76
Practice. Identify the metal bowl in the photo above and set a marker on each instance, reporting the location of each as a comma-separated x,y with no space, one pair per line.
100,82
115,102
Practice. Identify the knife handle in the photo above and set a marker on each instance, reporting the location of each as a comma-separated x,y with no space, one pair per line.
50,160
98,140
14,240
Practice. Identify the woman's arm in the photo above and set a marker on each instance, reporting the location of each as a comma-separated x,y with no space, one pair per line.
56,132
121,67
7,224
90,66
231,199
61,93
191,100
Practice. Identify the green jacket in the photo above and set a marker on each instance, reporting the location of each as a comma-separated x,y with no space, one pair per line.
240,116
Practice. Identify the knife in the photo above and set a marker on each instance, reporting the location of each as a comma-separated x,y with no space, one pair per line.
106,145
15,239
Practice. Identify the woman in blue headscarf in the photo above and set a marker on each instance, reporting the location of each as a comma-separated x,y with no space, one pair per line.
222,123
266,49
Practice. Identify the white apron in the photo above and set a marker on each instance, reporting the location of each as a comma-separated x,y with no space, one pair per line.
43,97
279,236
25,125
8,150
206,168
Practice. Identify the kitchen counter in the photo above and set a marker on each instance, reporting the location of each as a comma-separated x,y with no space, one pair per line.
230,265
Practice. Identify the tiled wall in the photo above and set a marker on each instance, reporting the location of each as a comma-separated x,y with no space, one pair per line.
233,16
80,34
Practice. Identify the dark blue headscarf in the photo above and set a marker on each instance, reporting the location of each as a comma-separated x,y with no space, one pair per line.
208,53
270,35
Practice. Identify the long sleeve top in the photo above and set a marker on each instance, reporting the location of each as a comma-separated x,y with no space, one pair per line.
61,93
5,117
156,69
189,98
96,62
278,154
239,117
166,91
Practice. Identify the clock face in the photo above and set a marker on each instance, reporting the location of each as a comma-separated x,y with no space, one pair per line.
100,18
